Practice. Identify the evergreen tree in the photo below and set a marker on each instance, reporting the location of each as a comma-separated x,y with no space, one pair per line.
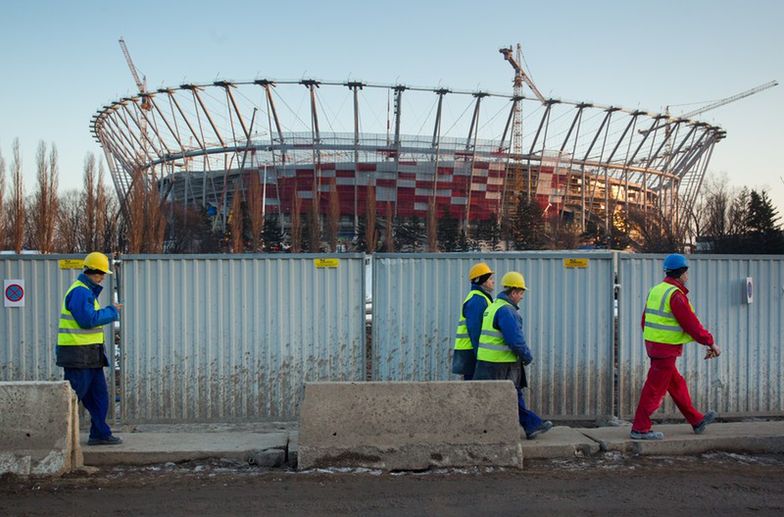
526,228
448,232
488,232
409,234
763,234
272,236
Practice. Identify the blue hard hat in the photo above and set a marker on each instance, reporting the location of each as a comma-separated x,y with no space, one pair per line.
675,261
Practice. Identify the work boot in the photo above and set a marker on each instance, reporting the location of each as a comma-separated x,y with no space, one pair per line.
649,435
709,417
543,428
111,440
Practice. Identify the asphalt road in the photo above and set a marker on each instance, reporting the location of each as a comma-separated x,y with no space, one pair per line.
711,484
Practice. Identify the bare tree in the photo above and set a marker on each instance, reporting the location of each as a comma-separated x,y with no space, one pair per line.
70,220
254,212
296,222
389,234
136,208
43,211
102,224
3,217
432,227
314,226
235,225
17,213
371,235
334,216
155,227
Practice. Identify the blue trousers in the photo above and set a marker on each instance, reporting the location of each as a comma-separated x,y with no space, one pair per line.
90,386
529,420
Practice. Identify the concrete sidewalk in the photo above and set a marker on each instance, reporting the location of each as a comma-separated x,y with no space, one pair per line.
278,448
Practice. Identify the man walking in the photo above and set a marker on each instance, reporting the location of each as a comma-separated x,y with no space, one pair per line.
80,344
669,322
470,323
503,352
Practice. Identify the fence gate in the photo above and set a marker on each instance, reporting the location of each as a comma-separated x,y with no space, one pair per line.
567,318
747,378
229,337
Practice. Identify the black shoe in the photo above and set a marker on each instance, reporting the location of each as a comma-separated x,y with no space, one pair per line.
709,417
543,428
111,440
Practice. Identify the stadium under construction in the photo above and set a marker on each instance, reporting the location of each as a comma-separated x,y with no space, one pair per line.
349,146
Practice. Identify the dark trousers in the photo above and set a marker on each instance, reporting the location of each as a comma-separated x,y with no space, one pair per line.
529,420
90,386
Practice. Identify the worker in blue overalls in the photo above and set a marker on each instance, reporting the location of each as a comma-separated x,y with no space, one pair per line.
80,344
469,325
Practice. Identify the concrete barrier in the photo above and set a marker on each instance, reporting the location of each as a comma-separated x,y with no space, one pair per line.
39,428
409,425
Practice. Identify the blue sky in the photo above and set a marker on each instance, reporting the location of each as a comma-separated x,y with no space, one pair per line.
60,61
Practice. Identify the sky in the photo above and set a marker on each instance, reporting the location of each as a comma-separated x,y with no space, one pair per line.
60,61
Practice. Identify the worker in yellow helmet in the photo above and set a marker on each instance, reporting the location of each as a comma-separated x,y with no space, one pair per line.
469,325
503,352
80,344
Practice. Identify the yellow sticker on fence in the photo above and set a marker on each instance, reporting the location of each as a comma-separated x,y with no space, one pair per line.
576,262
331,263
70,263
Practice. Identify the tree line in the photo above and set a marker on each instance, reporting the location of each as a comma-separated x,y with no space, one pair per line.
81,220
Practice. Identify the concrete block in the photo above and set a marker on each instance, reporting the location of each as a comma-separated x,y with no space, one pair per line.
409,425
38,428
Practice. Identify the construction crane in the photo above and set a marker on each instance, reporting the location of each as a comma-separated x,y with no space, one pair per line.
714,105
141,83
520,75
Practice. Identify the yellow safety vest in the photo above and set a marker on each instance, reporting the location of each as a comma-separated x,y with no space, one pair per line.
70,333
462,339
660,324
492,347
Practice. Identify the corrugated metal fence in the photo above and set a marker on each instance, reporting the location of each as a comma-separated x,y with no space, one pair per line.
29,333
748,377
567,316
221,338
210,338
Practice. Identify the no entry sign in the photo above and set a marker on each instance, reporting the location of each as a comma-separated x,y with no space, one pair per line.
13,293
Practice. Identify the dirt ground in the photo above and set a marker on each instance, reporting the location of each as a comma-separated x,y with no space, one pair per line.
716,483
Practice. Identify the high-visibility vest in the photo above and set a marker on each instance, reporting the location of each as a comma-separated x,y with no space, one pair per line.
462,339
660,324
70,333
492,347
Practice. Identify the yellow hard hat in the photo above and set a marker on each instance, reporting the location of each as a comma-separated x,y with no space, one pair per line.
513,279
478,270
97,260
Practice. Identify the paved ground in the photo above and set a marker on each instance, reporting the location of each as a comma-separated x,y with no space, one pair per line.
276,445
606,484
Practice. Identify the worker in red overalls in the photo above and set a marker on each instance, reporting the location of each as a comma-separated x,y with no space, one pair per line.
669,322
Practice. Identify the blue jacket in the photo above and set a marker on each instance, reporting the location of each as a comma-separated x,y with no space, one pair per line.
464,361
474,310
80,302
510,323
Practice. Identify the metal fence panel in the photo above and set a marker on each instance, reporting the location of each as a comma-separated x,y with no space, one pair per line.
228,337
567,318
29,333
747,378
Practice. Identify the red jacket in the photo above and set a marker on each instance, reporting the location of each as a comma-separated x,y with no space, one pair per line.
679,303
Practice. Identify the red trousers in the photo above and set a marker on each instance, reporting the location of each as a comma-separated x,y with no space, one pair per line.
663,377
